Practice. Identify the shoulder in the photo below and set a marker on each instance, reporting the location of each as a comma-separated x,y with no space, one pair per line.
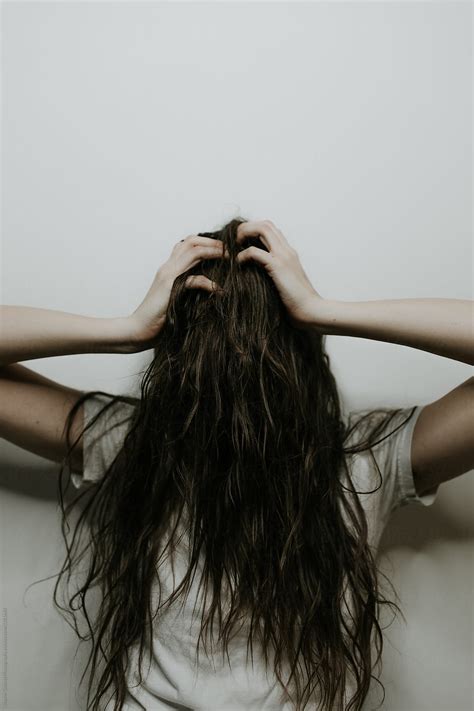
379,444
107,420
378,424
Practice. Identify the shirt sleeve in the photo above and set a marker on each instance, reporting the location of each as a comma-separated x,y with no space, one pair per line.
393,457
102,441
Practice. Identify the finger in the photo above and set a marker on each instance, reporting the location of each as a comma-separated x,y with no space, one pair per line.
271,237
194,255
255,254
194,240
199,281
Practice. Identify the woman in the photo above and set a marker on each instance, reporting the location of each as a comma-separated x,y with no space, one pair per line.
233,508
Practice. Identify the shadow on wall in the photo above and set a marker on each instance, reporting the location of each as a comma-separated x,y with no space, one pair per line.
26,474
416,526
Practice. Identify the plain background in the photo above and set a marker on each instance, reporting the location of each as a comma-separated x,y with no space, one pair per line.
127,126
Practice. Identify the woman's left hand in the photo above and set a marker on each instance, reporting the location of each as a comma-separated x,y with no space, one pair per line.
148,319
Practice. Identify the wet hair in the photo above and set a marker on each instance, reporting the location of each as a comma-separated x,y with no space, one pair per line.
239,434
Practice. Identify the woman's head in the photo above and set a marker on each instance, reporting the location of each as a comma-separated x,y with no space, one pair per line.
238,432
235,351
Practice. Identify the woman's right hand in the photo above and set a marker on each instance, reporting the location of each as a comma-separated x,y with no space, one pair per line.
283,265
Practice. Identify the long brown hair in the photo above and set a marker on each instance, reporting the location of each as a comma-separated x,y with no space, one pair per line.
238,431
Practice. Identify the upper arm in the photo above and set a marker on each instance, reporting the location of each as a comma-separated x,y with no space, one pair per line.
443,438
33,412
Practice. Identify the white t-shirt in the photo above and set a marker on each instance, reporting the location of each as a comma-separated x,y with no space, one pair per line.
173,680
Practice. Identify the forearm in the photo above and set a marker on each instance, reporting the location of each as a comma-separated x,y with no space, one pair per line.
27,332
440,326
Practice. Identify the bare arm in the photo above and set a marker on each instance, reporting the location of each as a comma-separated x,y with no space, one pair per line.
33,411
27,333
441,326
443,438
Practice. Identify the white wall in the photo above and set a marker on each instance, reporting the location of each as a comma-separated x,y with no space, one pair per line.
128,126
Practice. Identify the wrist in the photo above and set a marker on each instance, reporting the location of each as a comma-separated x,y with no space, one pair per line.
120,335
327,316
135,335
